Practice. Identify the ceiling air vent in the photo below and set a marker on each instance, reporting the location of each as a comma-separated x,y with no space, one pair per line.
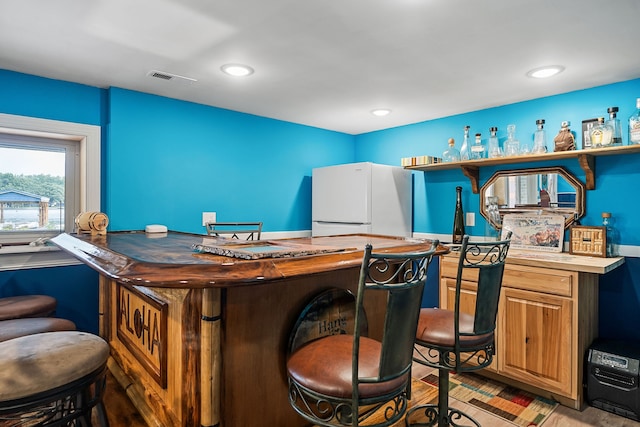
168,76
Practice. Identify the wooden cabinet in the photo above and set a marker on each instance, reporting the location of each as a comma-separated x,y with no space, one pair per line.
547,318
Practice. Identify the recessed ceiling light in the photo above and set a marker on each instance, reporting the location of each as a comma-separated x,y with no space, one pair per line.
237,70
546,71
380,112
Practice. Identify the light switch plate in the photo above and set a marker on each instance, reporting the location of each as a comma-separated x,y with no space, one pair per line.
471,219
208,217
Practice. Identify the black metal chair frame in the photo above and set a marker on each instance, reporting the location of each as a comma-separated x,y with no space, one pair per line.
67,405
252,229
489,259
404,278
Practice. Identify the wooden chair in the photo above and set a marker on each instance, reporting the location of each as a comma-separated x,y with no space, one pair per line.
456,341
344,379
253,230
53,379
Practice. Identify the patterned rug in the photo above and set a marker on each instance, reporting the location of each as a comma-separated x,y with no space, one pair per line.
509,403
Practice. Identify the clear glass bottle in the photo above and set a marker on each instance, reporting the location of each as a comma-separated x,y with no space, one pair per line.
478,149
494,149
540,138
612,234
451,154
614,123
511,145
634,125
601,134
458,218
465,153
586,138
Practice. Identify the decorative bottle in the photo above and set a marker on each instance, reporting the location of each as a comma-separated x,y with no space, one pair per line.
494,144
458,218
451,154
601,134
540,138
634,125
614,123
612,235
511,145
478,149
464,150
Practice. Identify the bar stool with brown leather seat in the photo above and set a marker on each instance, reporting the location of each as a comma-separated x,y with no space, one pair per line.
26,315
344,379
22,306
53,379
458,341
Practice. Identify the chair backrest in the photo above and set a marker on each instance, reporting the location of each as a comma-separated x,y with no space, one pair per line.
253,230
488,258
403,277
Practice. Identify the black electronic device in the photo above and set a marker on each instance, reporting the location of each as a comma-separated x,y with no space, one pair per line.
612,377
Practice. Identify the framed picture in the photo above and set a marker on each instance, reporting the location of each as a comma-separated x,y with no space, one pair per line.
590,241
535,232
586,128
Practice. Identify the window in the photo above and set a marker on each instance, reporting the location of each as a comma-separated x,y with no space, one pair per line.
49,172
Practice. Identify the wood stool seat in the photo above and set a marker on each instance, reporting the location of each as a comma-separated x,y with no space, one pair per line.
26,306
53,378
14,328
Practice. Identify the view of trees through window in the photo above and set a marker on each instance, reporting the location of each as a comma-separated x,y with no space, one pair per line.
32,189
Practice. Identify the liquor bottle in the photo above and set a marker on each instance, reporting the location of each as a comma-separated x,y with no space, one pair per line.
451,154
586,138
478,149
494,145
464,150
601,134
540,138
511,145
614,122
458,218
612,235
634,125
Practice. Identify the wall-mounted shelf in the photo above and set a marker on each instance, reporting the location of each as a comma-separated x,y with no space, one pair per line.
586,159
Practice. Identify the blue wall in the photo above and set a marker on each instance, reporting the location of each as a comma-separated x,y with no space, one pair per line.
167,161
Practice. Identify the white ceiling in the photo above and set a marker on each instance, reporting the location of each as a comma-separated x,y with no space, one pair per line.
328,63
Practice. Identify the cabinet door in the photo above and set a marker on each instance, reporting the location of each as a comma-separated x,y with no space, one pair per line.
535,339
468,295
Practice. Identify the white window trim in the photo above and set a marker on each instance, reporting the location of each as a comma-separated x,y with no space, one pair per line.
88,138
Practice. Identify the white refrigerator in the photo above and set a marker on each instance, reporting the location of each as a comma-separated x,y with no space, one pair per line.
361,198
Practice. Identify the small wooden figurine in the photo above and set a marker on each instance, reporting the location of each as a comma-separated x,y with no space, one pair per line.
564,140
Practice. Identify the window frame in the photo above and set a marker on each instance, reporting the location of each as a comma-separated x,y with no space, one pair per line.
88,140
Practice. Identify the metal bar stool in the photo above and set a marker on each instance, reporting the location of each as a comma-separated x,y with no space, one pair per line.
349,379
53,379
456,340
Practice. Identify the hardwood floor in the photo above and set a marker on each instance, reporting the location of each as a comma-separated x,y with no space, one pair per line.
122,413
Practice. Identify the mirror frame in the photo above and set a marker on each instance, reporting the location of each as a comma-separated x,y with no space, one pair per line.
568,176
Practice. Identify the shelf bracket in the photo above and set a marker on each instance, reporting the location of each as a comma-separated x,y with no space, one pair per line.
472,172
588,165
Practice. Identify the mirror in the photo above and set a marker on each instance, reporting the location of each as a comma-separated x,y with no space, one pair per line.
551,190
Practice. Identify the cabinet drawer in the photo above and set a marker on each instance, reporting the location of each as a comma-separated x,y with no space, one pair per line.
555,282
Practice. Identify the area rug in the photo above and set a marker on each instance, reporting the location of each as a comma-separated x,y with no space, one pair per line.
509,403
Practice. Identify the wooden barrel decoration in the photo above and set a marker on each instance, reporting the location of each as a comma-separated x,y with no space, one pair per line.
331,312
92,223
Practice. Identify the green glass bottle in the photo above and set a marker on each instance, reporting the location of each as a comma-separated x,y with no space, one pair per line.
458,218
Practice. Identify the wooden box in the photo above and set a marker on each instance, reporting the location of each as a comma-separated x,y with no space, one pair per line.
588,240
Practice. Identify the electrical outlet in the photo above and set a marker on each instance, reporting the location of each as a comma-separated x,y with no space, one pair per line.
208,217
471,219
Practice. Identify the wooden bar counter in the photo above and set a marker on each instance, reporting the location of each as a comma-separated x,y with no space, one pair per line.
199,339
